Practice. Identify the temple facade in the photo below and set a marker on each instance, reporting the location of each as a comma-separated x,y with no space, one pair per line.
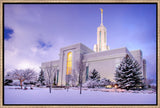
101,58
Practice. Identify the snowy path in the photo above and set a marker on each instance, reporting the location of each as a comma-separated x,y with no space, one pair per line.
42,96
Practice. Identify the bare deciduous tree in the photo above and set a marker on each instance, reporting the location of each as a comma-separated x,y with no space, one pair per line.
50,73
74,79
81,68
23,75
29,74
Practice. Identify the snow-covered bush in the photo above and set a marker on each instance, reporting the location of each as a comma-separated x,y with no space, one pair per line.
104,82
91,83
154,87
8,82
15,83
96,83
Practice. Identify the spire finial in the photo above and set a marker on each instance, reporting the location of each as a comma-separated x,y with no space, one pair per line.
101,10
101,16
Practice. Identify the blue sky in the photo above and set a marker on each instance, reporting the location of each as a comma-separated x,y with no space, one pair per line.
34,33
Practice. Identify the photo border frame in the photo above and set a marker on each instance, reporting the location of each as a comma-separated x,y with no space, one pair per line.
79,2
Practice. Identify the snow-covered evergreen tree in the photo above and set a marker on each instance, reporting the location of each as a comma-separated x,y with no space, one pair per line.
41,78
128,74
94,75
94,80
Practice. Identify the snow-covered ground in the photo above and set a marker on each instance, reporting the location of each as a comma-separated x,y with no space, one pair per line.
61,96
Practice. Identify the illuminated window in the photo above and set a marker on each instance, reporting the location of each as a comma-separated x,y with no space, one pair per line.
69,63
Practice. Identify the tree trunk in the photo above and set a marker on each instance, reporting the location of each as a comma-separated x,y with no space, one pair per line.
50,88
80,88
21,83
67,89
41,83
80,82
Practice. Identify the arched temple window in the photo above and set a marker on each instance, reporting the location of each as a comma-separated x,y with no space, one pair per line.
69,63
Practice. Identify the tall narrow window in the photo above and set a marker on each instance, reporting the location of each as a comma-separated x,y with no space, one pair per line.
57,75
100,41
87,68
105,37
69,63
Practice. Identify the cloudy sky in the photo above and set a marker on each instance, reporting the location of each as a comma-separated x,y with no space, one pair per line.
34,33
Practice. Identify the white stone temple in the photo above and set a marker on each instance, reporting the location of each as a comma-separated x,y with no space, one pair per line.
103,59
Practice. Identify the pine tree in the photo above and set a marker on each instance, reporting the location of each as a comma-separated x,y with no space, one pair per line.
128,75
94,80
41,78
94,75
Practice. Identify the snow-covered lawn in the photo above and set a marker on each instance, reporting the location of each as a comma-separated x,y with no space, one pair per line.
61,96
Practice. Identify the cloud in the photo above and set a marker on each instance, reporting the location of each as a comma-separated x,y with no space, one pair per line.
8,33
42,44
31,43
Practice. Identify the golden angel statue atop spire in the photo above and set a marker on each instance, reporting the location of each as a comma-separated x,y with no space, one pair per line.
101,10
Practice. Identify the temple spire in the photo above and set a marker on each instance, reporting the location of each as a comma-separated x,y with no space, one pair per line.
101,16
101,37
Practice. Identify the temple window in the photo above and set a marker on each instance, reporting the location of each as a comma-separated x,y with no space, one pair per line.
69,63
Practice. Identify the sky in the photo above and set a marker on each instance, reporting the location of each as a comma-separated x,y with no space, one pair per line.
34,33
